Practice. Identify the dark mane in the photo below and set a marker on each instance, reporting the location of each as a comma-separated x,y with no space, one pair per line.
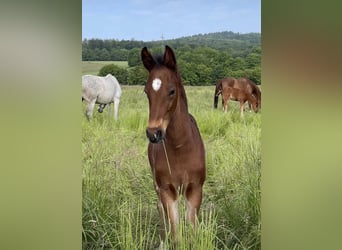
159,60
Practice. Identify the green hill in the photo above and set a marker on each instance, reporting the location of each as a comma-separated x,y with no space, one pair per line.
117,50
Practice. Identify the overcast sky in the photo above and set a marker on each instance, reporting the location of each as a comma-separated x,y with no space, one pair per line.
149,20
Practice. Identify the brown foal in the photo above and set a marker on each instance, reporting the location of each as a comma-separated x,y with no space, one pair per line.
176,151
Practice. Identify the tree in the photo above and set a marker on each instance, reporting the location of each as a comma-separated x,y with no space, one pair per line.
254,75
134,57
85,54
237,63
104,55
137,75
187,72
204,75
253,60
119,54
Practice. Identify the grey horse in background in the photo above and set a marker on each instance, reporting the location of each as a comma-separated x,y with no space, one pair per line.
101,90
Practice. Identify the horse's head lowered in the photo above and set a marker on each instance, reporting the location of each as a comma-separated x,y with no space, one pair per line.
162,90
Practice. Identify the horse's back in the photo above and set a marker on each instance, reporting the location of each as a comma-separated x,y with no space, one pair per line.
104,89
228,82
250,85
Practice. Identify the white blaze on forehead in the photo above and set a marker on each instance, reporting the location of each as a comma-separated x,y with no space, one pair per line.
156,83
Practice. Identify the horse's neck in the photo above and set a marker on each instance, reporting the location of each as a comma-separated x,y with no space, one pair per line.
178,129
250,98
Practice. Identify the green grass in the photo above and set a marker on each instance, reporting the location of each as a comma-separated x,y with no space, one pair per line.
93,67
119,202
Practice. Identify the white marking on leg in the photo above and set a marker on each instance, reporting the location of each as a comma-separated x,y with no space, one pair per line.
156,83
174,219
116,107
90,109
188,210
161,246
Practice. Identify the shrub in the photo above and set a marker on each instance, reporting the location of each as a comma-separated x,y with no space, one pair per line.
118,72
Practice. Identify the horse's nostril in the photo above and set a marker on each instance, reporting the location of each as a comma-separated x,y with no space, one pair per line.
154,135
159,133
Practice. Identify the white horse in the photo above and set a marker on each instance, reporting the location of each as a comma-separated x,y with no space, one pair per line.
101,90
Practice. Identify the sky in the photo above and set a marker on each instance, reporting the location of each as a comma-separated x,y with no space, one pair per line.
151,20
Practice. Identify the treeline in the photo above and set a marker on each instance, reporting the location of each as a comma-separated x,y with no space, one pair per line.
202,59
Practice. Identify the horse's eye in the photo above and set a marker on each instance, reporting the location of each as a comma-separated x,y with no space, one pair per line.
171,93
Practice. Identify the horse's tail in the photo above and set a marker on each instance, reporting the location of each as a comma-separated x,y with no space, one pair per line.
218,91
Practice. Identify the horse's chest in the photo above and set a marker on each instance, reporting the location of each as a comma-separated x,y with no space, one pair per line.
177,169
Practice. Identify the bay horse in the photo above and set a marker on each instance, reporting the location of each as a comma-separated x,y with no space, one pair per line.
244,84
175,151
238,95
101,90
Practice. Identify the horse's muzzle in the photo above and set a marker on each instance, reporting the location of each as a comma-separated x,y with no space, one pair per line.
155,135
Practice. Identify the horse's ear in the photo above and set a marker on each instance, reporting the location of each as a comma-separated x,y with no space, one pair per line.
169,58
147,59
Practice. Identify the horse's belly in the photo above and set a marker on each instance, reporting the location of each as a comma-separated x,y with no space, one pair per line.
104,99
233,98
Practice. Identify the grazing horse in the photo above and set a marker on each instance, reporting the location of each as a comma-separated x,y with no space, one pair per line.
176,151
101,90
238,95
242,83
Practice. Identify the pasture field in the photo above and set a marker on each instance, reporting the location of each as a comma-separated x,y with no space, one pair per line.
93,67
119,201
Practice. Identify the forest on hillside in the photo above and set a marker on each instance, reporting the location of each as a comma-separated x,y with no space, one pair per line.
202,59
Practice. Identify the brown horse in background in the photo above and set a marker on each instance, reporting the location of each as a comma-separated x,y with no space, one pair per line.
176,151
238,95
242,83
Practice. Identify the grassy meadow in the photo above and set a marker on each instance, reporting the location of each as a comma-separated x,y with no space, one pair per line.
119,201
93,67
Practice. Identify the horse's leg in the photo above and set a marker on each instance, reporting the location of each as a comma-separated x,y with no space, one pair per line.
109,109
242,108
168,210
193,200
250,106
163,218
116,107
226,104
90,109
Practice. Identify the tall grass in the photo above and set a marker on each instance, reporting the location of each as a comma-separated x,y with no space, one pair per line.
119,202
